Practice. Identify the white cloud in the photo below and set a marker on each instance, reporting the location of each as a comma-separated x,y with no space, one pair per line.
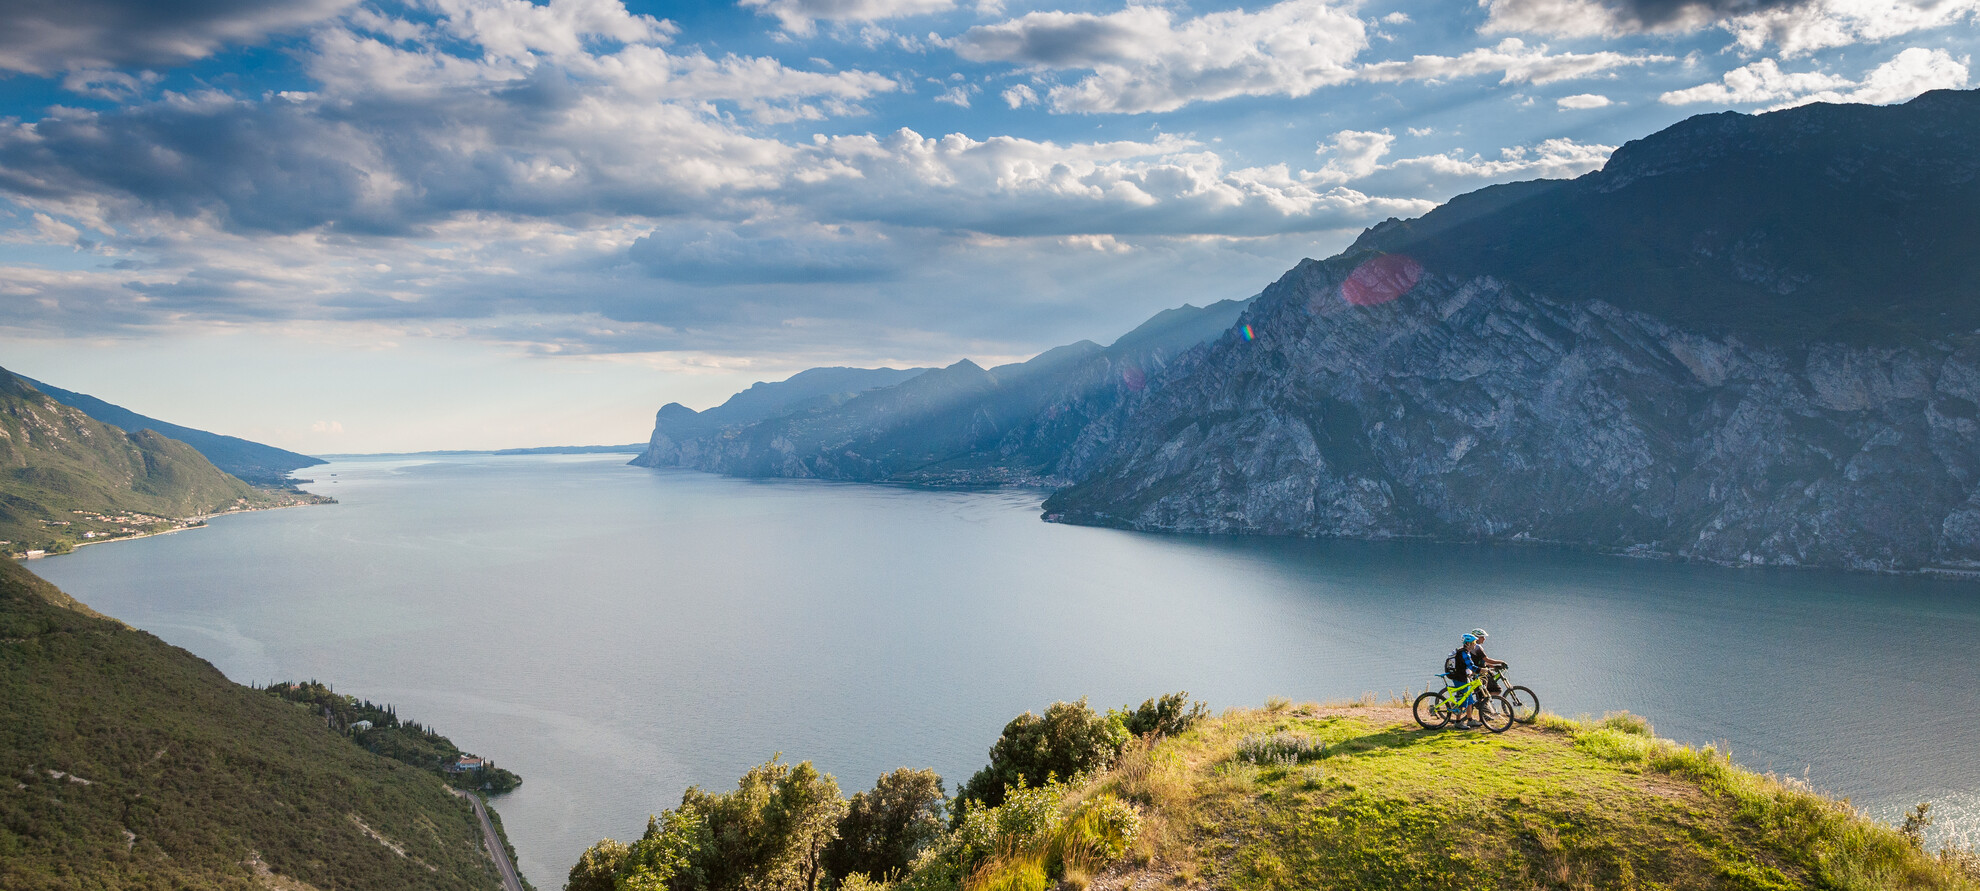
799,16
1761,81
1395,18
1793,27
1144,59
1020,96
1804,28
959,95
1457,171
329,427
1512,59
1583,101
1354,153
1909,73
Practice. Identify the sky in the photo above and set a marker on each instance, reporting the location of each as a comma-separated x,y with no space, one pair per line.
345,226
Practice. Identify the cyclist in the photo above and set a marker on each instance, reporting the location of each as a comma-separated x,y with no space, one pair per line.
1464,665
1476,645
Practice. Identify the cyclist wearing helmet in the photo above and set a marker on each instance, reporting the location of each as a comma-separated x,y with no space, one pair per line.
1475,645
1465,665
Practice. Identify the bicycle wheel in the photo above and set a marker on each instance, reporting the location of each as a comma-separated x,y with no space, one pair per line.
1525,704
1498,714
1430,712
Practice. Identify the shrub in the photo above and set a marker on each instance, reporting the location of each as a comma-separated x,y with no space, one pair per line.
885,828
1281,749
1070,739
1165,715
598,867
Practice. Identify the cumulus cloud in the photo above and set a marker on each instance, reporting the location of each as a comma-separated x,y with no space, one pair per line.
1353,154
1512,59
1792,26
958,95
1458,170
73,35
1144,59
565,178
1909,73
799,16
1013,187
1580,101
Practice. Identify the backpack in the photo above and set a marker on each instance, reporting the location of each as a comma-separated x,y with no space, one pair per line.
1454,665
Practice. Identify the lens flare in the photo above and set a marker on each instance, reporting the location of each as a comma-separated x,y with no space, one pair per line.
1381,280
1134,378
1246,332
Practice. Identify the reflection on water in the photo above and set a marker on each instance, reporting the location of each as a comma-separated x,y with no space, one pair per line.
615,634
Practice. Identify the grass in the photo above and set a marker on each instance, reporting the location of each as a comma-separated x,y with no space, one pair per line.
1380,804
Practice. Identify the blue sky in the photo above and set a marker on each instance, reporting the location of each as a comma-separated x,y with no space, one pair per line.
346,226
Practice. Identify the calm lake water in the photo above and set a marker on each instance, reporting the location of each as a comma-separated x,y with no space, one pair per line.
616,634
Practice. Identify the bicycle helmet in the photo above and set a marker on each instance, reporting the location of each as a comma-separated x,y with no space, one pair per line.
1470,639
1478,633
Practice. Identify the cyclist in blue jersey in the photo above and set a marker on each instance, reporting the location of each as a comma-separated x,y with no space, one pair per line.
1463,668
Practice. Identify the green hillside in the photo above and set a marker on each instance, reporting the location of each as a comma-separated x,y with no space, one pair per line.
1285,797
66,478
131,764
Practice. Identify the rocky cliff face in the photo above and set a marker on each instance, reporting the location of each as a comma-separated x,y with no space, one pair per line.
1747,339
1469,408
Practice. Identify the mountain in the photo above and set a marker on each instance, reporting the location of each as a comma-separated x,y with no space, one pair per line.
131,763
1830,222
251,461
66,477
960,425
676,428
1748,340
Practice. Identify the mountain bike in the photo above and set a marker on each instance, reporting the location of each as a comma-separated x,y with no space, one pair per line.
1525,703
1440,708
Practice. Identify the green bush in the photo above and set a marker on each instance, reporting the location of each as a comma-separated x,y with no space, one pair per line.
886,827
1069,740
1164,715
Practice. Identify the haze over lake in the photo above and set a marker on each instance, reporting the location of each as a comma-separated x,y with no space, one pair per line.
615,634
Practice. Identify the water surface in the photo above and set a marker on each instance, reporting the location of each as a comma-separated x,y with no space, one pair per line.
616,634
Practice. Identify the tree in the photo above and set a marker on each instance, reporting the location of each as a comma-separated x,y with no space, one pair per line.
1070,739
886,827
770,833
598,868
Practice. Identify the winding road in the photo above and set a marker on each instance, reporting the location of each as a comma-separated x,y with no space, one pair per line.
510,881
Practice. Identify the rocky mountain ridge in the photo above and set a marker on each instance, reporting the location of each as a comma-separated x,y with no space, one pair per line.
1473,409
250,461
959,425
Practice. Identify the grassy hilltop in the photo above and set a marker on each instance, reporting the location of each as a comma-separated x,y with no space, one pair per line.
127,763
1340,797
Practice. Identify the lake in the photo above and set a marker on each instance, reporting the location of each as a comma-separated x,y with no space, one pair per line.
615,634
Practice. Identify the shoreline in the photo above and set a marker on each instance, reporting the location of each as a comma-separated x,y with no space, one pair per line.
191,523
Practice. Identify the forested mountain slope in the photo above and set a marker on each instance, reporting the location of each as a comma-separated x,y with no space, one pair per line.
132,764
250,461
65,475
